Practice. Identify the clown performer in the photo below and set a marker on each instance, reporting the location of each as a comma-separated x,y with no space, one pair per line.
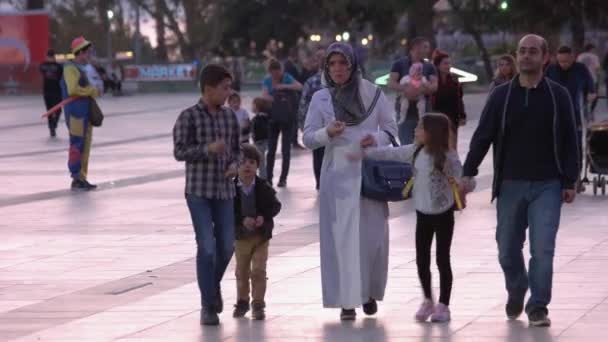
78,112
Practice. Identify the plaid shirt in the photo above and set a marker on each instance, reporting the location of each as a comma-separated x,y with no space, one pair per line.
194,130
310,87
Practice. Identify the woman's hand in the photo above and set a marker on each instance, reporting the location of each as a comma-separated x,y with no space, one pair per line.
354,156
335,129
368,141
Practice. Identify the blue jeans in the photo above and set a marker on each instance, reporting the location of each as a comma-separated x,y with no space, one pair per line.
406,131
537,205
213,222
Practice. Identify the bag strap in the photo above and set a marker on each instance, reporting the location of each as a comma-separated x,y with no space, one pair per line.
410,183
374,101
391,138
416,153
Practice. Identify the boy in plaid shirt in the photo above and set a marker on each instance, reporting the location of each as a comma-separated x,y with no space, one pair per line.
206,137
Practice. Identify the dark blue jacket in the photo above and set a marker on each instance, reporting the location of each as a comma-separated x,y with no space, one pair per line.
577,79
267,206
491,132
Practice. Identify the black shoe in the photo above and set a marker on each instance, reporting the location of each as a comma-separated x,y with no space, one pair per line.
371,307
240,308
258,313
80,185
282,183
219,301
514,307
53,133
89,185
348,315
209,317
539,318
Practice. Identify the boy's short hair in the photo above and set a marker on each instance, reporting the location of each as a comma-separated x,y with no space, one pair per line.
262,104
273,64
564,49
212,75
250,152
234,96
589,47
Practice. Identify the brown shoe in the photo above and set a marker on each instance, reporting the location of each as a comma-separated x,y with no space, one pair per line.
240,309
258,312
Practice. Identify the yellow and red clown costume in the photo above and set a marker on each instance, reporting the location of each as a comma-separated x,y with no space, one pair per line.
77,112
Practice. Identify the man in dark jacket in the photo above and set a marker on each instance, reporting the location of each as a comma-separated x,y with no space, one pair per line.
575,77
52,72
255,206
530,124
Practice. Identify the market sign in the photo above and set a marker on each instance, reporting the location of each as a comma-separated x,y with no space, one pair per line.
160,72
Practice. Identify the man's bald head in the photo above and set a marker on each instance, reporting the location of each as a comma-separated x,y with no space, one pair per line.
535,40
532,54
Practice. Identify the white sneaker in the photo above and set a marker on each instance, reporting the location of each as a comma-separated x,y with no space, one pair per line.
425,311
441,314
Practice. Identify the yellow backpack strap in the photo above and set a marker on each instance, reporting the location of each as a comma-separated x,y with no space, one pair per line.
456,192
410,183
408,187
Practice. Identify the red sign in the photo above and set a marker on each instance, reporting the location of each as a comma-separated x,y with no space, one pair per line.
23,46
160,72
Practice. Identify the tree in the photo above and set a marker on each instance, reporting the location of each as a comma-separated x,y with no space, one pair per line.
73,18
420,19
546,17
284,20
34,4
477,17
194,25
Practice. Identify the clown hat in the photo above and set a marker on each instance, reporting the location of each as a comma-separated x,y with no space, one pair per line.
79,44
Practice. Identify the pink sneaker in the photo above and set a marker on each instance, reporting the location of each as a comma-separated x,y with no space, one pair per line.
426,309
441,314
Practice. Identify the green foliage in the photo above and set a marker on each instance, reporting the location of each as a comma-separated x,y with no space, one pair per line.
503,48
470,50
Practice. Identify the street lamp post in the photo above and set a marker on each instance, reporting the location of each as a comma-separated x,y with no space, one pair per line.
110,14
137,36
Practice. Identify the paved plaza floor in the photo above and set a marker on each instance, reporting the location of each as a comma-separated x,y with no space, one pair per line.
117,264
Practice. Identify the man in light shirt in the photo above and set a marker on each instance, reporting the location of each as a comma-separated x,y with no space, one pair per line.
592,62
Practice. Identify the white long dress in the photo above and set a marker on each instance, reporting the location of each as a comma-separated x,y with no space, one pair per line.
353,230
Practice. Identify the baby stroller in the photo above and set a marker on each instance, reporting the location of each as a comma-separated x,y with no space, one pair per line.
596,155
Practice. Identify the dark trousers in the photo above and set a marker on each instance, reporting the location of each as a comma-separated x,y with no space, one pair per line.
317,163
294,137
286,131
50,101
441,225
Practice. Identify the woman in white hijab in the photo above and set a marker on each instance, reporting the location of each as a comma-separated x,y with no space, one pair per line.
353,229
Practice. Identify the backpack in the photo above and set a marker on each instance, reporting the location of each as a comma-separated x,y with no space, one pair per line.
283,107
